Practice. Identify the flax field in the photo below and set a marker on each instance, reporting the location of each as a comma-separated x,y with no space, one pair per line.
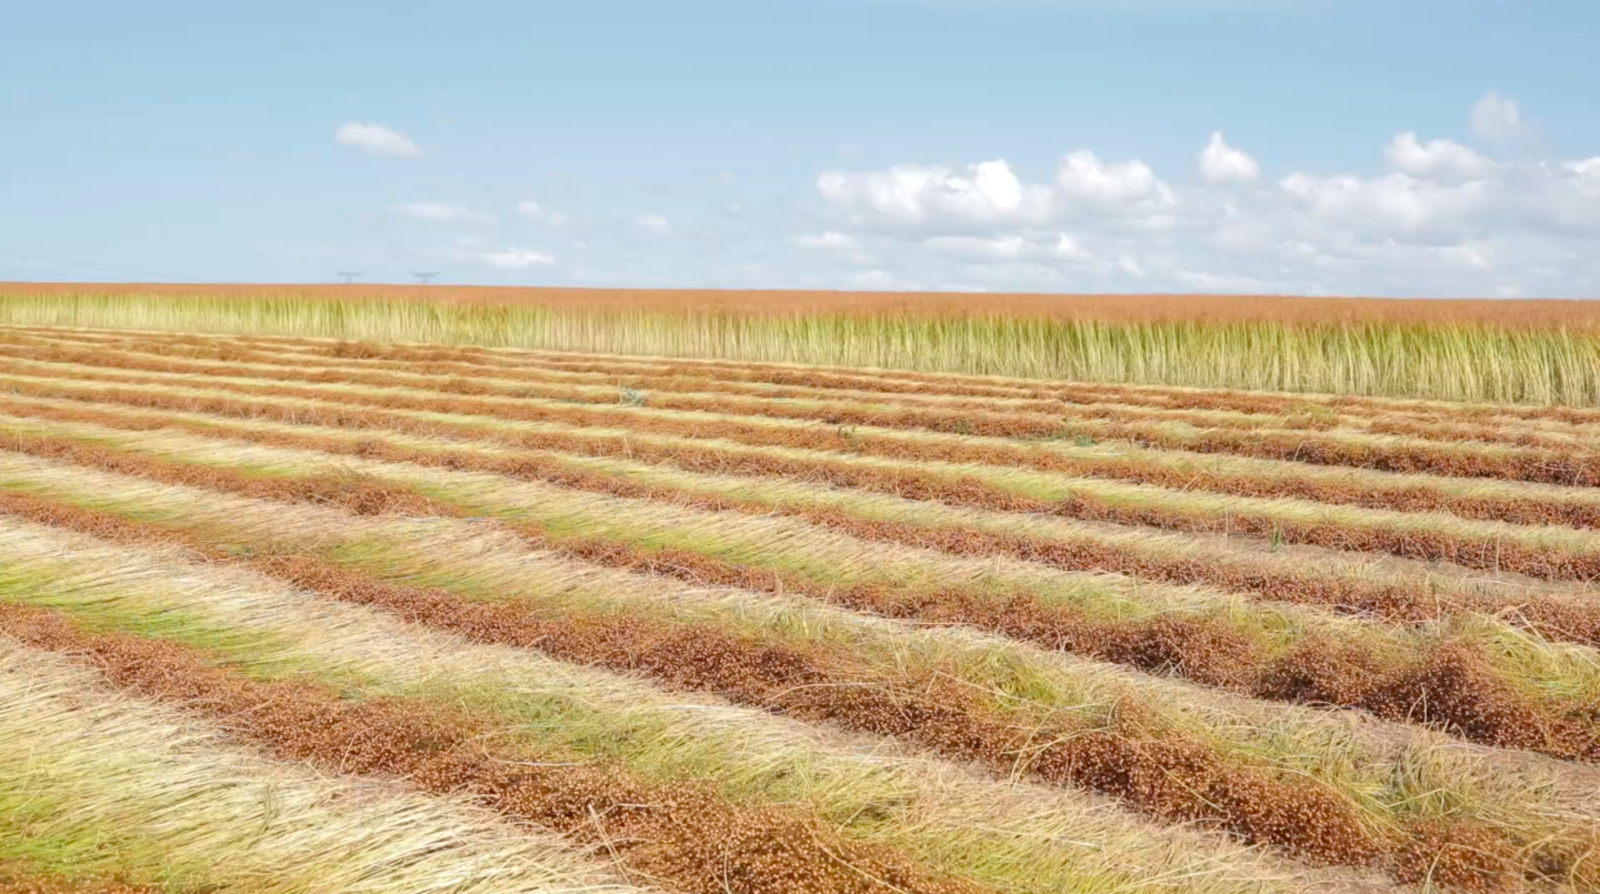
300,597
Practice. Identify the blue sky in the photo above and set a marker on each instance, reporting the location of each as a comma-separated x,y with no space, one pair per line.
1402,148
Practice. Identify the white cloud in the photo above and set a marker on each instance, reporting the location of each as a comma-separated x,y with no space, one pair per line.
1563,198
1438,159
1119,186
1438,219
989,195
984,193
882,281
1587,170
441,212
832,240
377,139
1221,163
1394,206
653,223
1496,118
1068,247
1010,247
507,258
541,213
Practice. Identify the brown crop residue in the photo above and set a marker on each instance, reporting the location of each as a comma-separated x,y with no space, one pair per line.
684,835
1077,400
1572,466
1086,400
1452,687
1074,400
1539,466
1483,707
1034,418
1155,770
1201,650
1472,701
896,381
828,685
1550,616
797,685
356,493
1136,470
974,417
479,377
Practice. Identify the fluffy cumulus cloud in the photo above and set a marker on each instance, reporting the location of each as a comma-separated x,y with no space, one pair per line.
1128,186
443,212
1439,159
1397,206
654,224
1221,163
1587,171
989,195
1437,218
984,193
1497,118
376,139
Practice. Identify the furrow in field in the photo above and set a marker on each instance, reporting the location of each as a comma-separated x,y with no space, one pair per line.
1478,499
1337,581
1090,400
1224,409
1546,553
1446,683
93,783
1179,764
1181,397
975,417
888,381
713,661
683,838
1043,419
191,357
973,385
1015,835
1385,453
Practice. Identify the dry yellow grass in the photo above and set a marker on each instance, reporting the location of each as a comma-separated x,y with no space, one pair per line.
1530,313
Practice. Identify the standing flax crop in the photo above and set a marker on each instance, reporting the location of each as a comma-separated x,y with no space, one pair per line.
1440,358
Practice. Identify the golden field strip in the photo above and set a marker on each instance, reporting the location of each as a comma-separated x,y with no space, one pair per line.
1525,352
1297,416
494,619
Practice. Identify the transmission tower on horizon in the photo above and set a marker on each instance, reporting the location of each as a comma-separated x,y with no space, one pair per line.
349,276
424,277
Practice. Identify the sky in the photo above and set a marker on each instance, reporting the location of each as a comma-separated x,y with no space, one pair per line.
1404,148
